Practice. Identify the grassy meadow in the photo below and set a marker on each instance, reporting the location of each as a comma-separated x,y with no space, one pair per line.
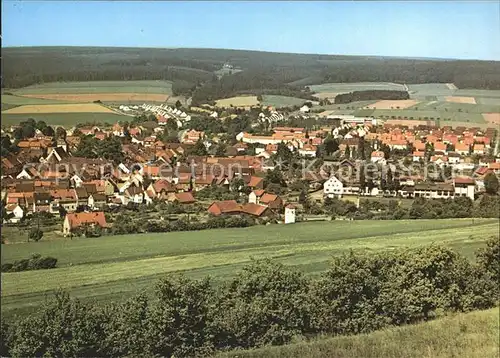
150,86
116,267
472,335
350,87
281,101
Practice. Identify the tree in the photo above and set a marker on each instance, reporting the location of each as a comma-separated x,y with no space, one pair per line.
110,148
347,152
198,148
61,133
6,145
491,183
48,131
35,234
220,151
28,131
178,104
331,145
41,125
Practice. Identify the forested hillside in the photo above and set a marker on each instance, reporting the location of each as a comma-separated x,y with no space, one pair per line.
192,70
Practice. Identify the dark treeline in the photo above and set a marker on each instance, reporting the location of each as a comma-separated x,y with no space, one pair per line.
370,95
192,70
265,304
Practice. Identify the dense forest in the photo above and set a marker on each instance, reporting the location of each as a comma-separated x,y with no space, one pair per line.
370,95
193,70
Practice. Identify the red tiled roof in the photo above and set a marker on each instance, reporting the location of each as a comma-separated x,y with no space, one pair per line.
464,180
377,154
267,198
185,198
254,181
78,219
259,192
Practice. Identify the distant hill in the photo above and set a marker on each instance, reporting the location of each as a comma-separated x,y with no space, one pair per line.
194,72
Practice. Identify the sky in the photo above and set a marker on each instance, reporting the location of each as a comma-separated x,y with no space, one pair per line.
448,29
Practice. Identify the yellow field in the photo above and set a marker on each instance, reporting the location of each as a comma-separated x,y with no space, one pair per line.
457,99
104,97
59,108
492,117
393,104
240,101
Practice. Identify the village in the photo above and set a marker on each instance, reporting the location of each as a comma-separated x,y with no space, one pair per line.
266,173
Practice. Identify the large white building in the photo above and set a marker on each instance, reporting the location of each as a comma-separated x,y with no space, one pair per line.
333,188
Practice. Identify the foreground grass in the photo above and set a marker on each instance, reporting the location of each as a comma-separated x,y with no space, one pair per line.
472,335
117,267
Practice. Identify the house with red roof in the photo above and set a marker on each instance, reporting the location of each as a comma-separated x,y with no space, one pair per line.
479,149
462,148
74,221
464,186
181,198
231,207
260,197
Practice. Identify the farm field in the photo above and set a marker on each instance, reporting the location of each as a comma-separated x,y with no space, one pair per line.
240,101
22,101
159,87
103,97
493,118
472,335
64,119
421,91
350,87
395,104
281,101
115,267
458,99
445,117
59,108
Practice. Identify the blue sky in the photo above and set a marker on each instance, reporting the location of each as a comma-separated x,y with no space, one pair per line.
449,29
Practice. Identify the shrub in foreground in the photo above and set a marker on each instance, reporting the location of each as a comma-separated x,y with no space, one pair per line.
265,304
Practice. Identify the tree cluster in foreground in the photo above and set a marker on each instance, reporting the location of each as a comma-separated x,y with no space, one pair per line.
265,304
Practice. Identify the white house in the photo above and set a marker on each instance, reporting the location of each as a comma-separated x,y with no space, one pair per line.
16,211
308,151
464,187
76,180
304,109
454,158
289,214
333,188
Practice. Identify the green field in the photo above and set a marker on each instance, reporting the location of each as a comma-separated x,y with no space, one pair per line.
160,87
110,268
281,101
350,87
64,119
443,116
471,335
20,101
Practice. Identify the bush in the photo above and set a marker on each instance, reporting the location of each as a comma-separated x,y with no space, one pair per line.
35,262
35,235
265,304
